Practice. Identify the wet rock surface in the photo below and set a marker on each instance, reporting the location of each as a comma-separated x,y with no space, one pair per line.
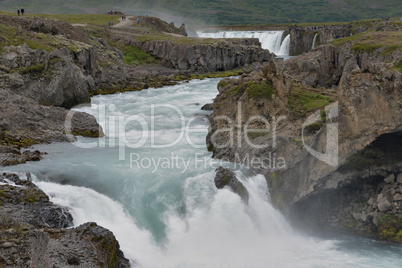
227,178
33,231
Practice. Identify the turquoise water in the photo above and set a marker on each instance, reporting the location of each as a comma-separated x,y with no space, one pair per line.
150,181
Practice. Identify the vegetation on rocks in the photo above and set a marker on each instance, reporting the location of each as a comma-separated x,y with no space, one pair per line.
263,90
303,100
372,40
133,55
398,66
11,36
390,228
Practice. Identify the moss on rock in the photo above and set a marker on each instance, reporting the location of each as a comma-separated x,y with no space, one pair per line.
390,228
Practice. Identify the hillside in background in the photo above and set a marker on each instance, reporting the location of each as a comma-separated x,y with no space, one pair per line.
223,12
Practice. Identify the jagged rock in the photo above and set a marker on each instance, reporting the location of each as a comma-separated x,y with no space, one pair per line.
390,179
32,155
32,232
226,178
397,197
399,178
62,82
384,205
208,107
368,143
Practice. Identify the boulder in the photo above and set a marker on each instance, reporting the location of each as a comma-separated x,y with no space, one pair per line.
33,234
208,107
399,178
227,178
390,178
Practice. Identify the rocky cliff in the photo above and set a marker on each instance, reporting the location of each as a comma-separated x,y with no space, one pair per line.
206,55
324,128
33,232
305,38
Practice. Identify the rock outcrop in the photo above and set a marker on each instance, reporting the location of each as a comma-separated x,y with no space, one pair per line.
294,116
226,178
304,39
219,55
33,232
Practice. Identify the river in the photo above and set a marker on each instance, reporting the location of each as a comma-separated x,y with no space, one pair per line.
151,182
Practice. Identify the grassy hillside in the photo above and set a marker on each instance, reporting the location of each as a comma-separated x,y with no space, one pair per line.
225,12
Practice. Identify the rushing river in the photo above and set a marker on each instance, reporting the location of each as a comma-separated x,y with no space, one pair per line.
150,181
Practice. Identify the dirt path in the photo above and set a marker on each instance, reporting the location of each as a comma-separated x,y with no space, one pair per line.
125,23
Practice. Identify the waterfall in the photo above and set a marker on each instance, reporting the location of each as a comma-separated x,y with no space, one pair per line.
271,40
285,46
315,38
161,202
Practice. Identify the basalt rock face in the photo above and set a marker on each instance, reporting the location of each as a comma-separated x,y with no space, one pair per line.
33,234
304,39
324,129
24,122
49,78
222,55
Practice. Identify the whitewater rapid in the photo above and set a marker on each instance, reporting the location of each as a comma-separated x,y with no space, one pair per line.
173,216
271,40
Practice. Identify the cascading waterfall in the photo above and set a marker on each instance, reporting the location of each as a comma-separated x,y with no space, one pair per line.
271,40
284,51
173,216
314,39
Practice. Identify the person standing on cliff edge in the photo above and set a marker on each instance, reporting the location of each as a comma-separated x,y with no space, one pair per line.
22,11
18,12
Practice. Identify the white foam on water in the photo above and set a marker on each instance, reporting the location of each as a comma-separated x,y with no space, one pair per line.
175,219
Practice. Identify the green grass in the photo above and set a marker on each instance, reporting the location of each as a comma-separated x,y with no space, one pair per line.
90,19
9,36
258,91
371,41
254,90
33,69
302,101
133,55
398,66
351,38
359,48
255,134
99,19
